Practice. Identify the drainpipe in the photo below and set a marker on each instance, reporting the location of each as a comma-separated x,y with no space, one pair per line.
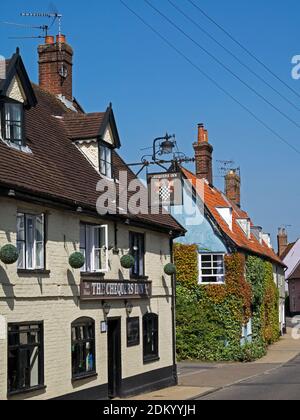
175,375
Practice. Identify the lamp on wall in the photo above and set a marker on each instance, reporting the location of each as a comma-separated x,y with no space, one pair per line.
129,308
106,308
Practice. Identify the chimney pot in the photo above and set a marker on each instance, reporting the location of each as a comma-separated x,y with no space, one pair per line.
61,39
49,40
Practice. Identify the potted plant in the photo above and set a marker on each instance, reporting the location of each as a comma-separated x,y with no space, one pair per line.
77,260
9,254
127,261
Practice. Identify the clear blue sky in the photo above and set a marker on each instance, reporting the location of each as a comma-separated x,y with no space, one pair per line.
153,90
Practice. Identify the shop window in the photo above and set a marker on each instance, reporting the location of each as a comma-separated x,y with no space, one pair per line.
83,348
25,357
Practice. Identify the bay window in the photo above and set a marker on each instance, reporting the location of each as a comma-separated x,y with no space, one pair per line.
211,268
105,160
12,122
31,241
94,247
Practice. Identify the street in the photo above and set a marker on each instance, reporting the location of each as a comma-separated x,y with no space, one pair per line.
282,383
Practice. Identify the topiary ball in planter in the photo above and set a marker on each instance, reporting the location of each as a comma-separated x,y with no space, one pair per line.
9,254
127,261
170,269
77,260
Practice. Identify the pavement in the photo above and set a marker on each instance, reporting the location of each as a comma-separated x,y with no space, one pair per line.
198,380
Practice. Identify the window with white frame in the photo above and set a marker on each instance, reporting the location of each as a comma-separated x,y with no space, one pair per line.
105,161
211,268
31,241
94,247
12,122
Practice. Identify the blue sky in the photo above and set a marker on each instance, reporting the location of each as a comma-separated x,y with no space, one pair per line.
153,90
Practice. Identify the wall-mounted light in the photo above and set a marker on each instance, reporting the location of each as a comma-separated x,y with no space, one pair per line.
79,210
106,308
11,193
129,308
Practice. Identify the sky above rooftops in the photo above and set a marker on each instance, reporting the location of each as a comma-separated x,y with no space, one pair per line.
153,90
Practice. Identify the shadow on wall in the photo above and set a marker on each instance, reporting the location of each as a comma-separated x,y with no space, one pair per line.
73,287
8,289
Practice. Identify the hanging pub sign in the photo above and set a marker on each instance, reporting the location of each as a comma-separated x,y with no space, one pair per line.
165,189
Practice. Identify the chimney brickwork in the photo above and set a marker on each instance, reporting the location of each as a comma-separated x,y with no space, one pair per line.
233,187
282,241
203,155
55,67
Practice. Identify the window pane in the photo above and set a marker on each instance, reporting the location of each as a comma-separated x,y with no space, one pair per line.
20,227
30,241
21,252
24,357
206,258
83,348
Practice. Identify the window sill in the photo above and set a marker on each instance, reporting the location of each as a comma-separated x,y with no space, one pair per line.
92,275
143,278
27,391
83,377
34,272
153,359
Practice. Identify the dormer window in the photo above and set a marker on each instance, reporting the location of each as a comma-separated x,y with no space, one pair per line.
12,123
105,166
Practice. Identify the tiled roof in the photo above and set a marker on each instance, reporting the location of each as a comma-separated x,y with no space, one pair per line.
287,250
56,169
83,126
213,199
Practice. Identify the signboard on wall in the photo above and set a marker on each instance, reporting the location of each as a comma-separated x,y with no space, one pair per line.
165,189
113,290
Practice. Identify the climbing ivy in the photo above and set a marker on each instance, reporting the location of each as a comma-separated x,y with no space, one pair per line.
210,317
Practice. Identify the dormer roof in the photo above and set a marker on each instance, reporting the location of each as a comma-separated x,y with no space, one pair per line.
81,126
16,73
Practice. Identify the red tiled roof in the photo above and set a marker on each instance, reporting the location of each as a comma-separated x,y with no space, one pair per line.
56,169
213,199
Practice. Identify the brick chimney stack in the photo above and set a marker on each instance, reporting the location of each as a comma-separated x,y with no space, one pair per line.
282,241
233,187
55,67
203,155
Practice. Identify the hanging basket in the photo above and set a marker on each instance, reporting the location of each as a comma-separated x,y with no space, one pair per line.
77,260
170,269
127,261
9,254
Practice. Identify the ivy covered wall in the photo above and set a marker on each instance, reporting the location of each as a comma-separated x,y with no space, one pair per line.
210,318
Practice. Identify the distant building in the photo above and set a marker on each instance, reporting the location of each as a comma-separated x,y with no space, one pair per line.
290,254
